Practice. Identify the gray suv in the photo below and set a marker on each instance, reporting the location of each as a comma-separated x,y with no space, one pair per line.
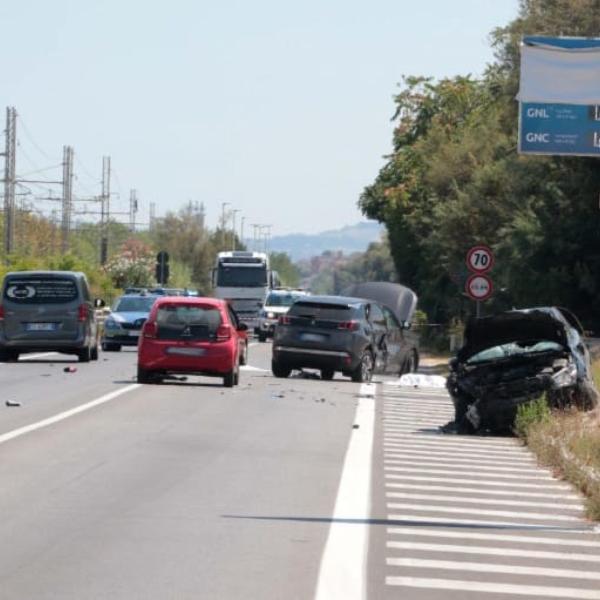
354,336
48,311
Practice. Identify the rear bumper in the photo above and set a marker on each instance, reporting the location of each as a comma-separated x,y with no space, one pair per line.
24,344
217,361
121,339
314,358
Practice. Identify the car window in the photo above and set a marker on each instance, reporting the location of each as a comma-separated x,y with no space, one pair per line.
376,316
321,310
281,299
40,290
180,321
390,319
133,304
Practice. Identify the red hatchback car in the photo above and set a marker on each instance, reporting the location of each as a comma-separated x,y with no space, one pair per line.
192,336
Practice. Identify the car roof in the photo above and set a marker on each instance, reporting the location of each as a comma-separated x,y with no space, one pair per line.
45,273
334,300
218,302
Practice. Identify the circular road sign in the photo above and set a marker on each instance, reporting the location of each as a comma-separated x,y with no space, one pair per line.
479,287
480,259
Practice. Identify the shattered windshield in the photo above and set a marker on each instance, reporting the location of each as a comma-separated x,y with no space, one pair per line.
513,349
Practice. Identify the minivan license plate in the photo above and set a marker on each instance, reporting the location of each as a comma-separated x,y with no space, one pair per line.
40,326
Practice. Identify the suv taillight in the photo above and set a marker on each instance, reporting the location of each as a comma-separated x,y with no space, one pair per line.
83,312
1,312
349,325
284,320
149,329
223,333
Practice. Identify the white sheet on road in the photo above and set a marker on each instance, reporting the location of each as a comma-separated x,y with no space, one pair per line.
419,380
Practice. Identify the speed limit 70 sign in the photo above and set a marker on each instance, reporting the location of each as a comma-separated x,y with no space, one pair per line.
480,259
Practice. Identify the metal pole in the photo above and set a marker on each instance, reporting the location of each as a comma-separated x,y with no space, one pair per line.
233,213
242,230
9,179
223,205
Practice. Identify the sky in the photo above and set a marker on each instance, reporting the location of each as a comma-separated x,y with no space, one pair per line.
281,109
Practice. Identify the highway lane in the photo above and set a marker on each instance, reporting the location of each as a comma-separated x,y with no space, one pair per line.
191,490
184,490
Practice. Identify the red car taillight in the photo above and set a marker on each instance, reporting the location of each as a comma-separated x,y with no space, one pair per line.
83,312
284,320
349,325
1,312
150,329
223,333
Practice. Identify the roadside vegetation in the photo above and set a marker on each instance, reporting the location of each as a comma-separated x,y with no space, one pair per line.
567,442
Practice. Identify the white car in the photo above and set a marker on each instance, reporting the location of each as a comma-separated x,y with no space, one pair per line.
277,303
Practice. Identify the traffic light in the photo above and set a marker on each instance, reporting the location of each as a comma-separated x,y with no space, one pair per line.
162,267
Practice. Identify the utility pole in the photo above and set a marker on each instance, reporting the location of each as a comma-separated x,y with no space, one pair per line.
67,197
256,229
242,230
152,215
133,208
105,209
233,213
9,179
223,239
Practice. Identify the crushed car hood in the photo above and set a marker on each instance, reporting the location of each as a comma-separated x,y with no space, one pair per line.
511,326
400,299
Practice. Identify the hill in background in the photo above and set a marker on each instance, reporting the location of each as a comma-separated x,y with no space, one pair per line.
353,238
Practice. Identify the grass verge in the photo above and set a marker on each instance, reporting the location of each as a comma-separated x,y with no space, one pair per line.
569,443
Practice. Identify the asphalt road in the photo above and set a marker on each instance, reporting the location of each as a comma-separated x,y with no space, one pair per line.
276,489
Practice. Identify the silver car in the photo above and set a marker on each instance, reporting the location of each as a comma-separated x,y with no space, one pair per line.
48,311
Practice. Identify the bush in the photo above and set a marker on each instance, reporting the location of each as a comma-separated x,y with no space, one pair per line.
531,414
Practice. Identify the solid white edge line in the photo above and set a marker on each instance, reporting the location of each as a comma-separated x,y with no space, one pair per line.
11,435
343,564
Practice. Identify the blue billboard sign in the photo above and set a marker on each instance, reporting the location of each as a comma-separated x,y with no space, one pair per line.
559,129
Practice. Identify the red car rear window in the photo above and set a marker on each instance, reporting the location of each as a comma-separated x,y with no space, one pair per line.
187,322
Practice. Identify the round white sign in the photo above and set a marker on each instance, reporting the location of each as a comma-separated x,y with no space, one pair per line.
479,287
480,259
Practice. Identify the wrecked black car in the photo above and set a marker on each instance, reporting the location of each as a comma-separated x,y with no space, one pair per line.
514,357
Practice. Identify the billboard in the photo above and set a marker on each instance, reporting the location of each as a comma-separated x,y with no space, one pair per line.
559,96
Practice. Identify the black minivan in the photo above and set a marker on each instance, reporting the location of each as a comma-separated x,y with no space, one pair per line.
354,336
43,311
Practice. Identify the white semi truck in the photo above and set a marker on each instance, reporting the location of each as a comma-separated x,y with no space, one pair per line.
244,279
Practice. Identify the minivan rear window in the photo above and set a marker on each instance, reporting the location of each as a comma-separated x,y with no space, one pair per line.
322,311
52,290
187,322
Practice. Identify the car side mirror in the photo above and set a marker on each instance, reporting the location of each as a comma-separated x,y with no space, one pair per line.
99,303
242,327
453,364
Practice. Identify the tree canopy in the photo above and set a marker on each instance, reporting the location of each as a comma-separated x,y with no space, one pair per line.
455,179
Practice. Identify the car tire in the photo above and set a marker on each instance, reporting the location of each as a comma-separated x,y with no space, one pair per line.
244,355
229,379
364,369
410,364
327,374
262,337
85,354
280,370
145,376
94,352
108,347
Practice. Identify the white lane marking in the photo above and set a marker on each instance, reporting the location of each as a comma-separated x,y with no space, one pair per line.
251,344
423,443
449,521
461,510
486,550
342,570
450,565
549,486
493,588
5,437
467,490
39,355
442,457
421,410
469,467
495,501
492,537
251,368
463,473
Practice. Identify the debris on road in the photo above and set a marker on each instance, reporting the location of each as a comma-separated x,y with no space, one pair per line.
70,369
355,426
12,403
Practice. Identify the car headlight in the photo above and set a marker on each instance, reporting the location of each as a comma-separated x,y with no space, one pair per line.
566,376
111,324
270,315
